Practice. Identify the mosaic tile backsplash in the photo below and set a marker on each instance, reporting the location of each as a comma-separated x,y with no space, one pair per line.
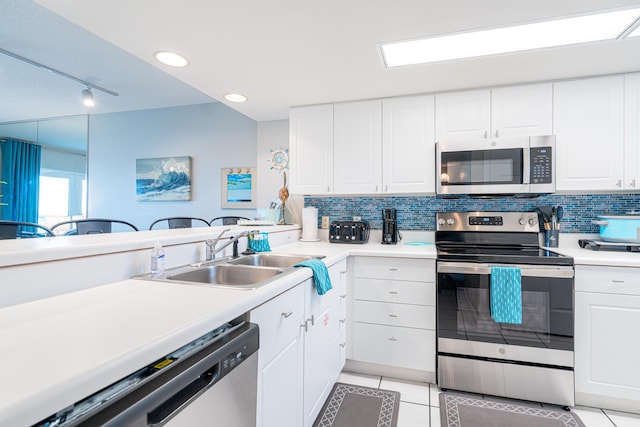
418,212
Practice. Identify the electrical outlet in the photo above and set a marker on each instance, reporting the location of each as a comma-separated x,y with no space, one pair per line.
357,218
325,222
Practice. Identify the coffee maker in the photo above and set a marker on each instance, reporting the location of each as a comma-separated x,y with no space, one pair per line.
389,227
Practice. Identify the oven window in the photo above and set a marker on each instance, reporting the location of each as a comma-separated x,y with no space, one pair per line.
481,167
547,312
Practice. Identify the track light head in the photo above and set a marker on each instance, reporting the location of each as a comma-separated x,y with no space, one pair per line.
87,98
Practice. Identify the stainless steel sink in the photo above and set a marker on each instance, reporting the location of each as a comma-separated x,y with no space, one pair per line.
228,275
272,260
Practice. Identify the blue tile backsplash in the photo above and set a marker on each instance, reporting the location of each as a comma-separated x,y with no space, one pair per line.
418,212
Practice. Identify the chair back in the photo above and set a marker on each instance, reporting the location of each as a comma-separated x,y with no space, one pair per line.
22,230
179,222
93,226
227,220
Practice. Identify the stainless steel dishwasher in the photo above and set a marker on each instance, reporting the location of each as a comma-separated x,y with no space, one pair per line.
211,381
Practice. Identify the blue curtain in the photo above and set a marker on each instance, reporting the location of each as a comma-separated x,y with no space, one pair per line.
21,172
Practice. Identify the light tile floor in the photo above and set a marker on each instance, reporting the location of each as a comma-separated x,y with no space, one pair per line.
419,403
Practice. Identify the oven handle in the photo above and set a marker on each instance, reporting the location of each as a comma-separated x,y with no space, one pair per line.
527,270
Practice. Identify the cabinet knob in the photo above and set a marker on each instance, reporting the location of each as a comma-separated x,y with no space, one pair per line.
287,314
619,183
632,183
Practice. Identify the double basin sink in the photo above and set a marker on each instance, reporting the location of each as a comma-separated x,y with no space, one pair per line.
245,272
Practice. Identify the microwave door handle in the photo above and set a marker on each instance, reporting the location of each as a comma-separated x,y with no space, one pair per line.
526,165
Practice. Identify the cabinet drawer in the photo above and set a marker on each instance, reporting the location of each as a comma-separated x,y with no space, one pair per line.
394,346
395,291
611,280
386,313
279,320
412,269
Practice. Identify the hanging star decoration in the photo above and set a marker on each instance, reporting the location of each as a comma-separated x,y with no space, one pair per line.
279,159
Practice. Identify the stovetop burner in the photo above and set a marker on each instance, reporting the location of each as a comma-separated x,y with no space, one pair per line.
493,237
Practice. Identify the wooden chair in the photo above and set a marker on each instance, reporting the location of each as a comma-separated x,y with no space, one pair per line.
93,226
22,230
179,222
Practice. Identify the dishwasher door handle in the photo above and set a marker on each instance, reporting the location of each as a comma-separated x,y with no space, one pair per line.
170,407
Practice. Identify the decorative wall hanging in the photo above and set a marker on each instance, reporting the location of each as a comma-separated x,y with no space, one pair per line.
279,159
238,188
163,179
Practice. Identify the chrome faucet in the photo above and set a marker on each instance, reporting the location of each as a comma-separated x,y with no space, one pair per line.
211,244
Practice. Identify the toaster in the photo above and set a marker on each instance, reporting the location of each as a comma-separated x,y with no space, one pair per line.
349,232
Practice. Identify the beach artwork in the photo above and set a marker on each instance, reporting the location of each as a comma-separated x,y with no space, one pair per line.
238,187
163,179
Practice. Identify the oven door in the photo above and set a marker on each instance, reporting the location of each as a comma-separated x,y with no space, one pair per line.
483,167
464,317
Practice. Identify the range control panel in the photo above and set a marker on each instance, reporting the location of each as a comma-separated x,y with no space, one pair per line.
487,221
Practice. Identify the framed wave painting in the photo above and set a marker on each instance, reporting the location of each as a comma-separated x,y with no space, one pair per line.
238,188
163,180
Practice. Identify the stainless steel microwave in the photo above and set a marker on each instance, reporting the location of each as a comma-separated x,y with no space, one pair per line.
499,166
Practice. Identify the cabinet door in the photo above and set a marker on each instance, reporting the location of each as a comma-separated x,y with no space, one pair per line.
311,150
408,145
521,111
280,388
463,116
606,356
357,148
632,132
588,119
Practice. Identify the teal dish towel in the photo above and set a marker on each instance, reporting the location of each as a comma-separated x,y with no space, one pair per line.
506,295
320,274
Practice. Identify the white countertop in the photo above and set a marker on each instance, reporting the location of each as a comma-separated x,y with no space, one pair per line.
59,350
569,246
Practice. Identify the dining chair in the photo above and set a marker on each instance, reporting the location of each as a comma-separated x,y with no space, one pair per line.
227,220
93,226
22,230
179,222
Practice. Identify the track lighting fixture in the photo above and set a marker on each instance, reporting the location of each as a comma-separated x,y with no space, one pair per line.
87,98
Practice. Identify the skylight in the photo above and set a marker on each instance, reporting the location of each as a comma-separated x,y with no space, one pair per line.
540,35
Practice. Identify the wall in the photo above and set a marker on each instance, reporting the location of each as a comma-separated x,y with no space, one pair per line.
418,212
214,135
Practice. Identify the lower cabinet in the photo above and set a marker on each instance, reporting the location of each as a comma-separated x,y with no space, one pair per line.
607,304
301,351
393,321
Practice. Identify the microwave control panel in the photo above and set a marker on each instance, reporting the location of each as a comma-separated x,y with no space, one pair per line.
540,164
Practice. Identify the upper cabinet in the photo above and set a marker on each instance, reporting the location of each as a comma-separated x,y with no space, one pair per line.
375,147
589,128
311,150
632,132
408,150
495,113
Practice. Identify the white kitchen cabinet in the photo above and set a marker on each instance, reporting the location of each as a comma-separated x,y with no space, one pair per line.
408,144
311,150
515,111
606,348
323,347
357,147
632,132
589,127
280,359
393,308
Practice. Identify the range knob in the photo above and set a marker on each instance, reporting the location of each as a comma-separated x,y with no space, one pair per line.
441,221
532,221
451,221
522,221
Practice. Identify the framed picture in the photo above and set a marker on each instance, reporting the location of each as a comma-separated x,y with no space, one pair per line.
163,179
238,188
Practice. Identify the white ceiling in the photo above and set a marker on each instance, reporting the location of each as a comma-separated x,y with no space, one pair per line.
282,53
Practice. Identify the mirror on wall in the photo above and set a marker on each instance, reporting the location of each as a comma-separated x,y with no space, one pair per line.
62,191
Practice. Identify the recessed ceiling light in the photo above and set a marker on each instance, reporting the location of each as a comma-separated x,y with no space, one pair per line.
559,32
171,58
235,97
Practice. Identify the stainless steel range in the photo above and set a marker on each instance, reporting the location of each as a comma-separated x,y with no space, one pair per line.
530,359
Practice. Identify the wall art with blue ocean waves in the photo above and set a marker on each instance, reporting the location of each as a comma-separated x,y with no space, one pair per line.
163,179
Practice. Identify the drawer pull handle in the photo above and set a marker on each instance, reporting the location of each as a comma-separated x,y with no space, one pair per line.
287,314
343,320
393,292
343,296
343,272
392,339
393,269
343,345
393,315
617,281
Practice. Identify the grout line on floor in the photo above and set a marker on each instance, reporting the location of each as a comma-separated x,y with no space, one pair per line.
609,418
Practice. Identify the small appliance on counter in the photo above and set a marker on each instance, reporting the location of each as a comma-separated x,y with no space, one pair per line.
390,234
618,232
349,232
